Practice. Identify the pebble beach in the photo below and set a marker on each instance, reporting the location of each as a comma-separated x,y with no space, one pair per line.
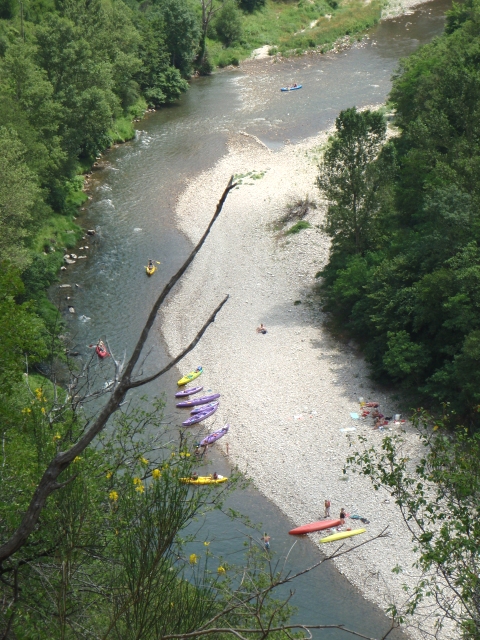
289,394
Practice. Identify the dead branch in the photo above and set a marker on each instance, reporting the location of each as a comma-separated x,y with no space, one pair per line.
48,483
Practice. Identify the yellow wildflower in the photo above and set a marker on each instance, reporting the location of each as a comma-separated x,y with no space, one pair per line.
137,481
221,570
26,410
436,427
173,454
43,410
113,495
108,475
77,459
143,460
156,474
193,558
206,543
184,455
38,393
57,436
140,488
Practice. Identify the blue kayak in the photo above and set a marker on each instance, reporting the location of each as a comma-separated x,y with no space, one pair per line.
299,86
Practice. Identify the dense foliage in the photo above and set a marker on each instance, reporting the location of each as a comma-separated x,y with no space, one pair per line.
410,292
439,498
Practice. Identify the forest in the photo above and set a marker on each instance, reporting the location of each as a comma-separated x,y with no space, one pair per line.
403,275
108,555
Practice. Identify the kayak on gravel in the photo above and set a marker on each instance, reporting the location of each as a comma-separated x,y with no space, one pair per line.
315,526
204,407
188,392
198,417
190,376
196,401
216,435
342,535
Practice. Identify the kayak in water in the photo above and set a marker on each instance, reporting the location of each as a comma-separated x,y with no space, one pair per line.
190,376
101,351
151,270
294,87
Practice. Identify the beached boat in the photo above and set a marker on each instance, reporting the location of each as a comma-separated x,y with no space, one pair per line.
342,534
198,417
204,407
190,376
216,435
315,526
197,401
188,392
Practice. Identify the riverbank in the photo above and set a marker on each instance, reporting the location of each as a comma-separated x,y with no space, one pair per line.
287,394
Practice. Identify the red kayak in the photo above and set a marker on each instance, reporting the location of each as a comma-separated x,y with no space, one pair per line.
101,353
314,526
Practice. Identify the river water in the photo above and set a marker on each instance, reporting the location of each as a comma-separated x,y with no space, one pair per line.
133,195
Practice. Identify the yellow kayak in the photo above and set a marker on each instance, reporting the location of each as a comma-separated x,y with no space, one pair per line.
204,480
190,376
343,534
151,270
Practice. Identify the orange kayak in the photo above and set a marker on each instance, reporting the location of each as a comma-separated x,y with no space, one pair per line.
314,526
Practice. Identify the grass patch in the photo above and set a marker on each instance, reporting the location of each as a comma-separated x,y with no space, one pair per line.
298,226
285,27
251,175
122,128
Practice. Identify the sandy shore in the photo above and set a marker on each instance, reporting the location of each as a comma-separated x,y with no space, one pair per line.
287,394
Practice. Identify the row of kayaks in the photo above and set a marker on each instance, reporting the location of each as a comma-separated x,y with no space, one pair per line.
203,406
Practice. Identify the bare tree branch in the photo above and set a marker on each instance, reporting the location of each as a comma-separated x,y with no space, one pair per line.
236,631
48,483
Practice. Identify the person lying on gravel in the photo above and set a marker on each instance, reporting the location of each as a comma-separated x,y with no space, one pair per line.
262,329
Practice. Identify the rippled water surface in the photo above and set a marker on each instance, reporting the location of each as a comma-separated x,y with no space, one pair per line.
132,205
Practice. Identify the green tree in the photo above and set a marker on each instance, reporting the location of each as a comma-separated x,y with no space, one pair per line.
19,192
228,24
439,498
349,177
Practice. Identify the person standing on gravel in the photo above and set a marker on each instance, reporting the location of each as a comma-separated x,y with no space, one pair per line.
327,508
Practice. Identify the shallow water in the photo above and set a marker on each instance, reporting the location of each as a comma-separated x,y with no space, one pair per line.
132,208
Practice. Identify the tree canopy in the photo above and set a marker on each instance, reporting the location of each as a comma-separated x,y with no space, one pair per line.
410,292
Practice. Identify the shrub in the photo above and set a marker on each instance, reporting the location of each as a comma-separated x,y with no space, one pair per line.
228,24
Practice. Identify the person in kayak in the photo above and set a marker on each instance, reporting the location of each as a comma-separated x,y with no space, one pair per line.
150,263
295,85
266,541
101,345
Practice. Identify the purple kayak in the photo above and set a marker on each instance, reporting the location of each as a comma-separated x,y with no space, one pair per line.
188,392
195,401
204,407
198,417
216,435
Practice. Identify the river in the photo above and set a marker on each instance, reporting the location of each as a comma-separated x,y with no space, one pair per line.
133,196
